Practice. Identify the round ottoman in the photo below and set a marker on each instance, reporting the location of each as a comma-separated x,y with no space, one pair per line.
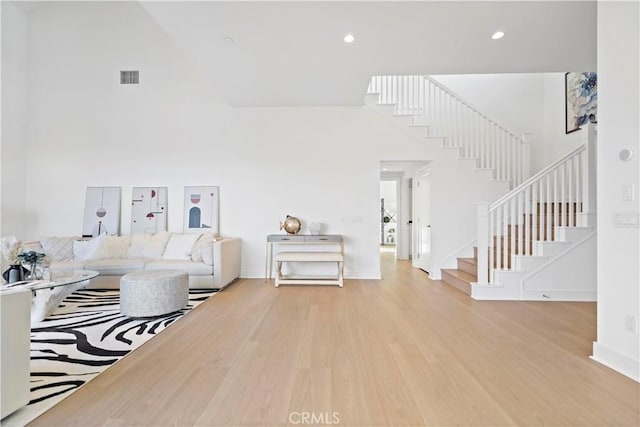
152,293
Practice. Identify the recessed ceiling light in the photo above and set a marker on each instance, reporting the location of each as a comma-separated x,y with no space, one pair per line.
349,38
228,40
497,35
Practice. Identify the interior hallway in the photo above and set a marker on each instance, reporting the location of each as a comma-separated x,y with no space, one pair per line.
401,351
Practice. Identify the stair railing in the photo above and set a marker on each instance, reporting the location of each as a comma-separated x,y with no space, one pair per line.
463,126
560,195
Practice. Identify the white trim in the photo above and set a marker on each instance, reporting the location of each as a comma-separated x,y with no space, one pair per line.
617,361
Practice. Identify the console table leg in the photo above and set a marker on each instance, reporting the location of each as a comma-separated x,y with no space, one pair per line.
278,272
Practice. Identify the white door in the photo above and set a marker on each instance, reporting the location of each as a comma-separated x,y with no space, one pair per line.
422,220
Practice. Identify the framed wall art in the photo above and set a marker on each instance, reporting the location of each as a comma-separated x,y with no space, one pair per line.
581,100
101,211
201,209
148,210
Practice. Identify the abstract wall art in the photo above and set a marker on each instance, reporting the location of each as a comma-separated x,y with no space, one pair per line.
148,210
101,211
581,100
201,209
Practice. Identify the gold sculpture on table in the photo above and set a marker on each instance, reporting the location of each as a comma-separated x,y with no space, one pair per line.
291,225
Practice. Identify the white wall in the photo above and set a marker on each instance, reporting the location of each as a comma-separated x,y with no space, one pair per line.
514,101
88,130
555,143
319,164
618,127
14,116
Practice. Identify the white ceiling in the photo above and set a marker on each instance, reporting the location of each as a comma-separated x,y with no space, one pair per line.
292,53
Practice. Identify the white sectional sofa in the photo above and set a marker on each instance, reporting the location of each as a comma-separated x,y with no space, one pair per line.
210,262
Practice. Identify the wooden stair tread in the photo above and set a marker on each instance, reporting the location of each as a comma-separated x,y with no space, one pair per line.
459,274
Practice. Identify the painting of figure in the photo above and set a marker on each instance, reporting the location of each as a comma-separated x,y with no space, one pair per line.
201,209
101,211
148,210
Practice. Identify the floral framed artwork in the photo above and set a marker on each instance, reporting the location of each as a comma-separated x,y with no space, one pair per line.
581,100
201,209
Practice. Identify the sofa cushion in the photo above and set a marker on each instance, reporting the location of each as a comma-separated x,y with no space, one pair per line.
179,246
84,250
203,243
192,268
116,267
112,247
58,248
148,245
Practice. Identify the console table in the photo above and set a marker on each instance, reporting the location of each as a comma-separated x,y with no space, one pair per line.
298,239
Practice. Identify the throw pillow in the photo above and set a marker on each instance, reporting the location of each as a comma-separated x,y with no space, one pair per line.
58,248
179,246
83,250
112,247
148,245
205,240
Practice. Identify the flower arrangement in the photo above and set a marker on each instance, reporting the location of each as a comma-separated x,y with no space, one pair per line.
11,247
30,260
30,257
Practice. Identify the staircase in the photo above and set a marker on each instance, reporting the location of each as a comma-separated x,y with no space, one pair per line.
538,240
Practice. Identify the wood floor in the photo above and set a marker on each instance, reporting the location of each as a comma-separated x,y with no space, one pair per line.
404,351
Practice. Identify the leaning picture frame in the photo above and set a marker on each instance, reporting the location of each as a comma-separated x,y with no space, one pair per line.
581,100
201,209
101,211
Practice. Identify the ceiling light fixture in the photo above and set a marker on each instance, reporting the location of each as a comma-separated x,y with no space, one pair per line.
228,40
497,35
349,38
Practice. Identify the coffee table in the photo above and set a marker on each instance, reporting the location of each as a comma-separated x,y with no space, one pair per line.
48,294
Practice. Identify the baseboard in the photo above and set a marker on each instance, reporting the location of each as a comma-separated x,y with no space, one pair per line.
578,295
617,361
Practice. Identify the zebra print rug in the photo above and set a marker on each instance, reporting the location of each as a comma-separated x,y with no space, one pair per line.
81,338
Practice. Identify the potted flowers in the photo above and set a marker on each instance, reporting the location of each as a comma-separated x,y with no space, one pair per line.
11,247
30,260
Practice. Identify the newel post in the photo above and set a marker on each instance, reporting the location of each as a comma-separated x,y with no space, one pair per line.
483,242
589,174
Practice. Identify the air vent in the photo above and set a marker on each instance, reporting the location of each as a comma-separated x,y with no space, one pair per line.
129,77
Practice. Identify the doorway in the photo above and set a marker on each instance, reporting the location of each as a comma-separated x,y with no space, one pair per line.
388,215
395,234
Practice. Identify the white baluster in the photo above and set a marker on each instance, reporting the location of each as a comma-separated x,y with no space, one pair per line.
556,206
514,226
505,238
492,244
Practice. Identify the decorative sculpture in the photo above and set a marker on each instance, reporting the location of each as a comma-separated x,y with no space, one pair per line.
291,225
